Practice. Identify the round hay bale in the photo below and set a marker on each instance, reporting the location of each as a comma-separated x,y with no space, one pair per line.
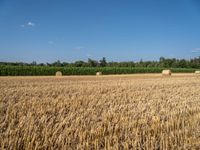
58,73
99,73
197,72
166,73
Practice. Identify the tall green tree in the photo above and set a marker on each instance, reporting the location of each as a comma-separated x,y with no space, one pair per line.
103,62
92,63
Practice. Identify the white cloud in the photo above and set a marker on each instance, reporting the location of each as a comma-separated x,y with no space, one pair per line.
196,50
30,24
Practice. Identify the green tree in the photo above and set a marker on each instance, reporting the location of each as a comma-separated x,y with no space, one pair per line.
57,63
34,63
92,63
103,62
79,63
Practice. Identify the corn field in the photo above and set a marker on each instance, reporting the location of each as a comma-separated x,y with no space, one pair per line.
6,70
105,112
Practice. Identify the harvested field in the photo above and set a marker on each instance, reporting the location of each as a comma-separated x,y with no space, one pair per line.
106,112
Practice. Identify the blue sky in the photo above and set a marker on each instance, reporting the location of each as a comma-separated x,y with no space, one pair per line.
120,30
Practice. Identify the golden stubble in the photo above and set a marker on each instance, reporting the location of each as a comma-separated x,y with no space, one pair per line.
108,112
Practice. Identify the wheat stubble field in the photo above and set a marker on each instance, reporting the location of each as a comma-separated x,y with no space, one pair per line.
105,112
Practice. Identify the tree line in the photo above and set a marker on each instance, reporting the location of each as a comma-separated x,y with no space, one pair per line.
162,62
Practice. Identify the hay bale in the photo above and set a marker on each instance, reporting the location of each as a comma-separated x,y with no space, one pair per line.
99,73
166,73
58,73
197,72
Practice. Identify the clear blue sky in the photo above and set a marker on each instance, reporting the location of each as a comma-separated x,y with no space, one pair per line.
120,30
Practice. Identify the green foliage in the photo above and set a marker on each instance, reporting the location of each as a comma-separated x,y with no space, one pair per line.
93,66
103,62
162,63
92,63
6,70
